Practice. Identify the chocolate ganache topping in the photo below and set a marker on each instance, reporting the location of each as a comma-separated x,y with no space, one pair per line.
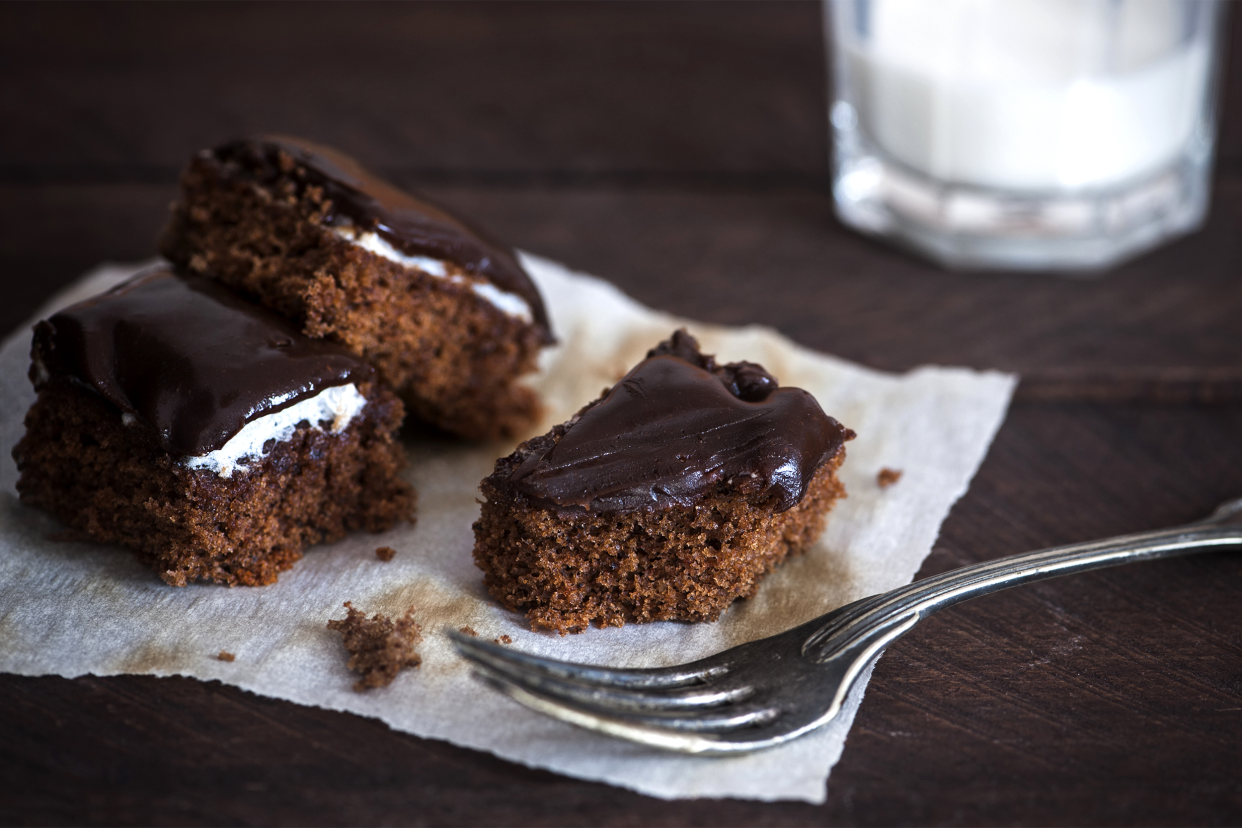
411,225
677,425
188,357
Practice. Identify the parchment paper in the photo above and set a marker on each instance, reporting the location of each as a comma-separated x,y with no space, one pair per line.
71,609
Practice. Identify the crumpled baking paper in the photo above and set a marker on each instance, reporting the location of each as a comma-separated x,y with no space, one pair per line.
75,608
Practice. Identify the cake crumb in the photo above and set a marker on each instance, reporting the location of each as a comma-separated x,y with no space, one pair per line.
504,639
225,655
385,553
887,477
470,631
378,647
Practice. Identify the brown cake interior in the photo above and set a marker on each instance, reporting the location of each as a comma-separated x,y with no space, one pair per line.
379,648
569,570
452,357
113,482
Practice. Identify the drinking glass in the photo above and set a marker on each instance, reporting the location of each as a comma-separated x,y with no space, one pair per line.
1024,134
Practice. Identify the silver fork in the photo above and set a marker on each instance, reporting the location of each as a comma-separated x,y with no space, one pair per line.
768,692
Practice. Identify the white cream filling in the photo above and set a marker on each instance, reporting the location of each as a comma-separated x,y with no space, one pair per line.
337,405
380,246
507,303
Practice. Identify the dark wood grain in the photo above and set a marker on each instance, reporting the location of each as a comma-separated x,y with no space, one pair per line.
680,151
564,91
481,88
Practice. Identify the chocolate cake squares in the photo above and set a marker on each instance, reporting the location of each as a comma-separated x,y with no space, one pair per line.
448,318
665,500
205,433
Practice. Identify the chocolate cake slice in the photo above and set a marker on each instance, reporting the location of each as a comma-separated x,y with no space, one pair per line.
449,318
665,500
205,433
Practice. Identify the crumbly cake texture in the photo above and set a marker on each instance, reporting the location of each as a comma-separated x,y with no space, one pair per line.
451,356
676,564
572,567
379,648
114,483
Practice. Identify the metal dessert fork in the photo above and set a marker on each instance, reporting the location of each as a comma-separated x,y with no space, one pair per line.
768,692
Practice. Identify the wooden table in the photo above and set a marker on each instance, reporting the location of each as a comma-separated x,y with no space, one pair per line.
680,151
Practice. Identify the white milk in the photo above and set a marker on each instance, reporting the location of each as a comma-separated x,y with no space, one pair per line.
1031,95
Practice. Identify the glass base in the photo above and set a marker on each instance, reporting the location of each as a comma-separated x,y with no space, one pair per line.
968,227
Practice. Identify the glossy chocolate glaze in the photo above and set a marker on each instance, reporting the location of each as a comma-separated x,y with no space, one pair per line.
409,224
675,427
188,357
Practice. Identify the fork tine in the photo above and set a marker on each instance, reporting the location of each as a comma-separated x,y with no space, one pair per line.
681,675
713,720
605,697
662,736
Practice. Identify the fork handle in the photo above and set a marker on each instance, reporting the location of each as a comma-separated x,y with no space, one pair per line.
883,618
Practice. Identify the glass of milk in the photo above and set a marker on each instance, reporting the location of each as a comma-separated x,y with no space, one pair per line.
1024,134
